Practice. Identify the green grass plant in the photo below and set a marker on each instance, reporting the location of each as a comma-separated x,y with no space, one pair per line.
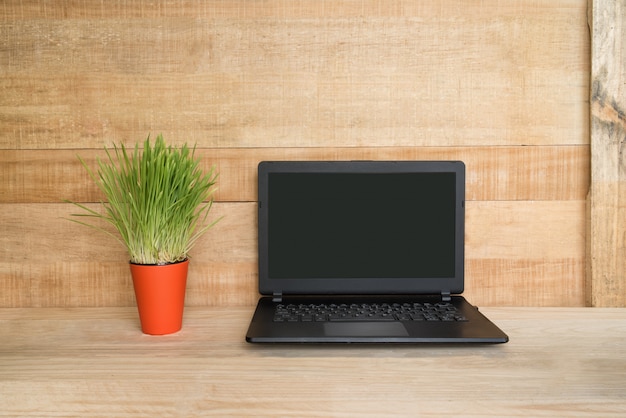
157,198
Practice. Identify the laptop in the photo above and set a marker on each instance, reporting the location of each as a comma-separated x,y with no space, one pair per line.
364,252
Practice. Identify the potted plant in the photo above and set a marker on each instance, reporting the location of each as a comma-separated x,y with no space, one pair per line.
158,199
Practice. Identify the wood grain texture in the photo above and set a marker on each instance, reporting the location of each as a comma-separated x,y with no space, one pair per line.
502,86
271,74
493,173
263,9
518,253
606,277
566,362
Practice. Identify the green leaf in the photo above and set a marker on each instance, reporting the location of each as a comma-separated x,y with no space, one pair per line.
157,198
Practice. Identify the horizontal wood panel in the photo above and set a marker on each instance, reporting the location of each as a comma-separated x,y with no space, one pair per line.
536,282
411,109
493,173
525,230
255,9
270,74
516,254
525,251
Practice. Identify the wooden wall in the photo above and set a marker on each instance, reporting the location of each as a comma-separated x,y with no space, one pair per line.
606,237
503,86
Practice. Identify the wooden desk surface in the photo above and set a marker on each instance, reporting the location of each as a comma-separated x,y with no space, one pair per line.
96,362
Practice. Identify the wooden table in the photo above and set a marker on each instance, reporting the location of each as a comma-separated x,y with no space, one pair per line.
96,362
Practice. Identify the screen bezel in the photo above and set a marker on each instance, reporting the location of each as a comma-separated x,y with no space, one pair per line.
353,286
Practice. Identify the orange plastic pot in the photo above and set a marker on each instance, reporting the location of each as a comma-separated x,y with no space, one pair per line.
160,294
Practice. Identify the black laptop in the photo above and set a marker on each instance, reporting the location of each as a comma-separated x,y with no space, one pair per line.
364,252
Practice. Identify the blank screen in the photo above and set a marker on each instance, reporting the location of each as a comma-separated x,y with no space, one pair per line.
361,225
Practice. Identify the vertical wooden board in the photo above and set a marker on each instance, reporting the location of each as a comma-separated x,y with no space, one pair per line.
606,259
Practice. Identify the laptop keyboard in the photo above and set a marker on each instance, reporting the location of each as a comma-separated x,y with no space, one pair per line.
440,311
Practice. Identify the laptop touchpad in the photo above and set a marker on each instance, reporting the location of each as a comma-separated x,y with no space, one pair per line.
365,329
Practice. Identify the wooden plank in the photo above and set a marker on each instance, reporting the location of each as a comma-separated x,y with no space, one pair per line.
50,261
525,251
493,173
525,230
44,233
518,253
606,278
298,110
273,75
263,9
531,282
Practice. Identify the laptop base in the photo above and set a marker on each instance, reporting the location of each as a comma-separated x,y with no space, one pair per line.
475,329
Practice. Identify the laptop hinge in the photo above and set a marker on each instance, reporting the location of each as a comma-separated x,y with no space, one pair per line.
277,297
445,297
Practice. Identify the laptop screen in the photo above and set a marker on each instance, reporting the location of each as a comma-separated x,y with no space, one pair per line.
361,227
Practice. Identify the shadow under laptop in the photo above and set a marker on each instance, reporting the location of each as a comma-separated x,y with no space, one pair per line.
377,350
